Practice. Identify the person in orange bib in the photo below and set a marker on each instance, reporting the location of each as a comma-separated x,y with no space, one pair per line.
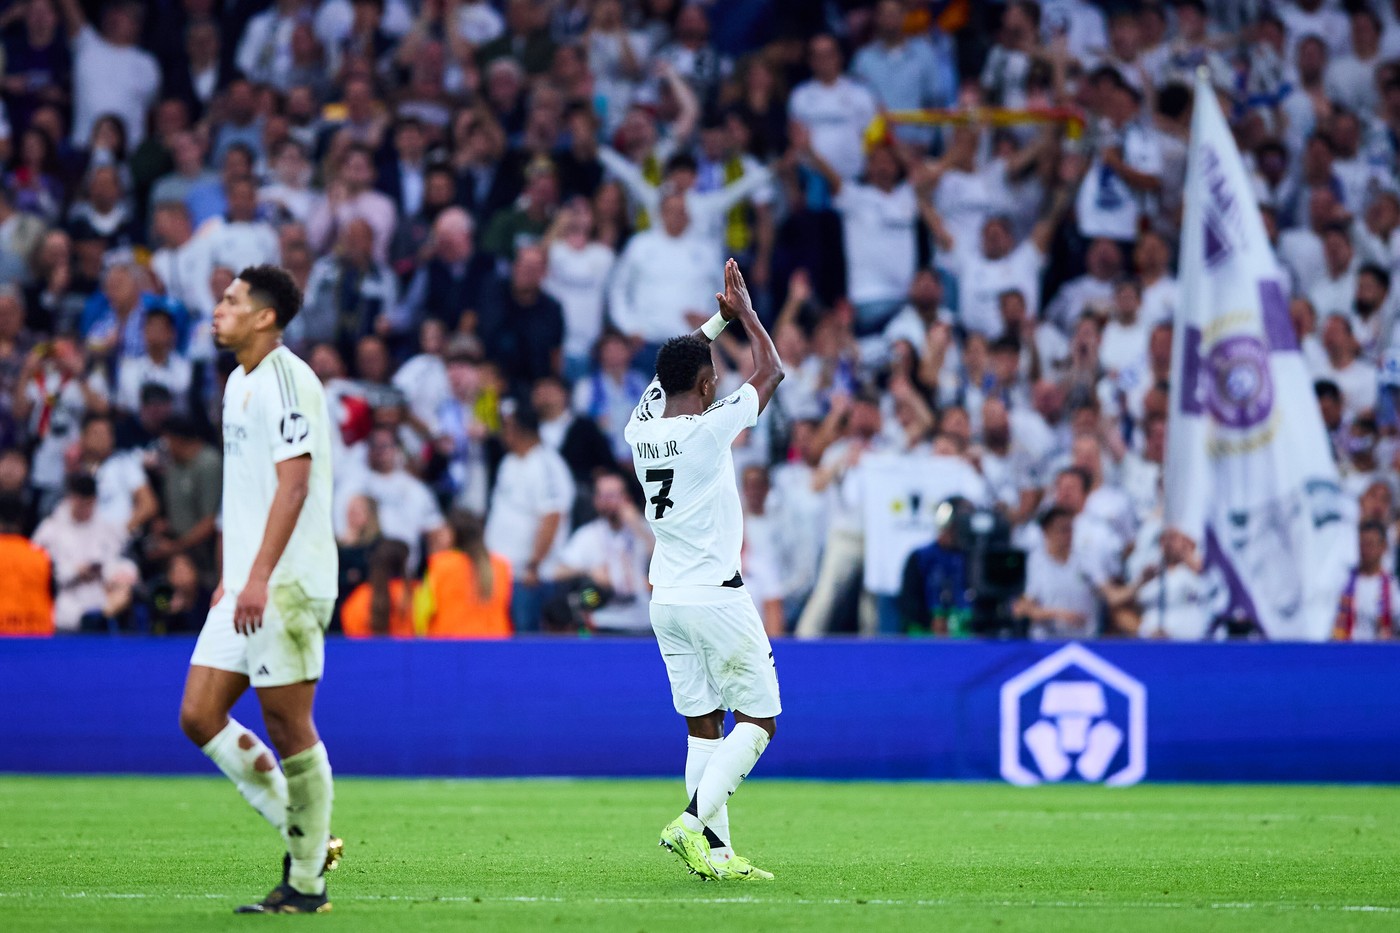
26,599
466,592
383,605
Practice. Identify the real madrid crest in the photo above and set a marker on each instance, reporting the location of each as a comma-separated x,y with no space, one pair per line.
1239,389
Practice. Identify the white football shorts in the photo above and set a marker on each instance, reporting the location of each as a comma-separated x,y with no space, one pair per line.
289,647
716,652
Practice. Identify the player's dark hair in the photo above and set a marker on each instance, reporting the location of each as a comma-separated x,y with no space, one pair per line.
469,537
680,362
1054,512
1326,389
272,287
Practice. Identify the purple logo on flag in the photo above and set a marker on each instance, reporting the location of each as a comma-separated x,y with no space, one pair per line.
1222,210
1239,390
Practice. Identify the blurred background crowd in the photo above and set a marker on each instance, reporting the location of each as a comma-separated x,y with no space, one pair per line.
498,210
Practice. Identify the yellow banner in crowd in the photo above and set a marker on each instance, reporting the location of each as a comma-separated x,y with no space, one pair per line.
878,132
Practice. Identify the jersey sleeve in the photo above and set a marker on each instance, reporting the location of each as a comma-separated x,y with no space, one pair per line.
651,405
732,414
289,414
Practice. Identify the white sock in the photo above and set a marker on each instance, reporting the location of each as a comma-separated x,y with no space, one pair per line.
697,756
309,794
238,752
728,766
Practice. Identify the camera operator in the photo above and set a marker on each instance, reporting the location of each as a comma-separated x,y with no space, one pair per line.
934,597
965,582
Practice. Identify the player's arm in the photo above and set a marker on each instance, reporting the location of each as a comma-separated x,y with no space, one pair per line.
735,303
293,485
711,329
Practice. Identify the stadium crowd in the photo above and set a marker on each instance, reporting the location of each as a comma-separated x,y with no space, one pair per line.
499,210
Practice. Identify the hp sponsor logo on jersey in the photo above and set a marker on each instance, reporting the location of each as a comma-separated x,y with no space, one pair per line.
294,427
1073,717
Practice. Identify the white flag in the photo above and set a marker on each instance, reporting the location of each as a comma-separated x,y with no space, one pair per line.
1249,475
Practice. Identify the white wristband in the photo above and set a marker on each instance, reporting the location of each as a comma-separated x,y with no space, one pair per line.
711,328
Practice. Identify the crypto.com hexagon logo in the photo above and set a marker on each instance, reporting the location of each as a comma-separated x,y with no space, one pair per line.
1073,716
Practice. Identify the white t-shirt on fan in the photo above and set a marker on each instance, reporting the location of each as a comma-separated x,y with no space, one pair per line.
879,230
107,78
407,509
528,489
981,282
837,115
1106,206
578,280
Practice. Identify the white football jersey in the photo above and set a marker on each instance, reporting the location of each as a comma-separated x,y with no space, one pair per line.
685,465
275,413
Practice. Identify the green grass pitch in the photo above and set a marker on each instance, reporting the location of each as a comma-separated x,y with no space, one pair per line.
156,854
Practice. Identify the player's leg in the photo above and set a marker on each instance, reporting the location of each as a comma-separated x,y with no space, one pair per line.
730,762
287,657
741,666
287,711
218,677
693,698
704,736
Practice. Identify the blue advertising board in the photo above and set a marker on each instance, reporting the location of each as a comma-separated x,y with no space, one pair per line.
1025,712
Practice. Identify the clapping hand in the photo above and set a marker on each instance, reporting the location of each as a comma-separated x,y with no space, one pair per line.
734,301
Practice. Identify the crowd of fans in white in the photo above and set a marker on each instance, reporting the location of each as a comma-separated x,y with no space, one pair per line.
505,207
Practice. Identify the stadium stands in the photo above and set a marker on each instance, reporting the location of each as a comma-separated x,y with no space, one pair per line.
500,207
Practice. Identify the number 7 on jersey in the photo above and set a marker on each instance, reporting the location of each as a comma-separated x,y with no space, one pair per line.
662,499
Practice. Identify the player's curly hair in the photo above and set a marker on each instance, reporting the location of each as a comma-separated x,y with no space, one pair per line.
680,361
272,287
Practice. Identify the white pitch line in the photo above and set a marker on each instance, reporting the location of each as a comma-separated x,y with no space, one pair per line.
799,901
1170,817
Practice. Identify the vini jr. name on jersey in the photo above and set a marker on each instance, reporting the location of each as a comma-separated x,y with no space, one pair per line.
647,451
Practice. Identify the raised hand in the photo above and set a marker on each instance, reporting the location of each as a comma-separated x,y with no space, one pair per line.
729,304
736,291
